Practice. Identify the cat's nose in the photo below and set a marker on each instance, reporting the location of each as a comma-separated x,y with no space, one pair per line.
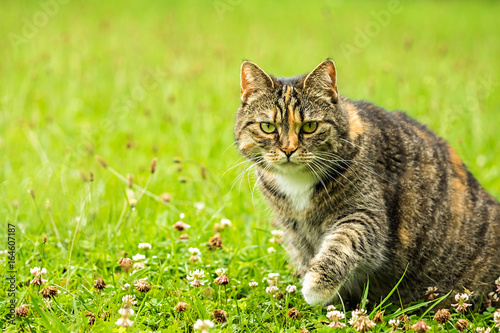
289,151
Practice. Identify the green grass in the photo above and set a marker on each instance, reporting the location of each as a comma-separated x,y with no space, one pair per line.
131,81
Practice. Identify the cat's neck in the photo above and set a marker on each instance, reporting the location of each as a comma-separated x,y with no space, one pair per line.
297,187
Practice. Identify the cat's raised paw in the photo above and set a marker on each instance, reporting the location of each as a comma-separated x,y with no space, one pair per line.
313,293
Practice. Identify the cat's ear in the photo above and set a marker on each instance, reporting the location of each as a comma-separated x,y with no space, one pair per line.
253,79
323,77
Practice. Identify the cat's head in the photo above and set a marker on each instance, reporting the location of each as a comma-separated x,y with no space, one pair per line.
289,124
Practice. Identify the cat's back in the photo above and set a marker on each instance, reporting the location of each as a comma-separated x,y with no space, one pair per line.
442,221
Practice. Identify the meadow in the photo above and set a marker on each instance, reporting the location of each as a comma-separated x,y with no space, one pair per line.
116,130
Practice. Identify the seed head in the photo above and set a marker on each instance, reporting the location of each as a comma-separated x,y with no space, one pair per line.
222,280
152,167
378,319
105,315
38,281
91,318
181,226
203,172
31,192
44,239
442,316
22,311
142,285
125,264
461,324
184,237
215,242
304,330
91,176
130,180
181,307
220,316
177,160
165,197
293,313
49,291
421,327
99,284
101,161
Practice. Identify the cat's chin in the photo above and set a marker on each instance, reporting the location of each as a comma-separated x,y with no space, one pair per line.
287,168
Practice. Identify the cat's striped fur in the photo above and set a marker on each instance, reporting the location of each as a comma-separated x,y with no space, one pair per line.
368,193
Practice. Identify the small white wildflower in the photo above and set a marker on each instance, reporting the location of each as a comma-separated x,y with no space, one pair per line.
139,257
220,271
129,300
196,275
199,205
203,325
394,323
225,223
497,281
358,313
144,246
194,251
253,284
273,275
330,308
291,289
277,233
335,315
36,271
124,322
182,216
138,265
496,318
3,252
126,286
483,330
271,250
126,312
271,289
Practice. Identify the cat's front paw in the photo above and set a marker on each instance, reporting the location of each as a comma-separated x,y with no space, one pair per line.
315,293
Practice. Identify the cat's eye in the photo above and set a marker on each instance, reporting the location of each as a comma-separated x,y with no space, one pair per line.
309,127
268,128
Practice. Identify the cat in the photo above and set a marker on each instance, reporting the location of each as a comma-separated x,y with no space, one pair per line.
361,193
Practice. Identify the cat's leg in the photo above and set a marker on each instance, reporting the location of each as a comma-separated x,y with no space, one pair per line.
354,240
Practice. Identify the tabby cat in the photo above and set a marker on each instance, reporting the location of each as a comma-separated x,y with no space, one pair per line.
362,193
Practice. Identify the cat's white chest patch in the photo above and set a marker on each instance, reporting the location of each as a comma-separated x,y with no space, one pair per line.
297,188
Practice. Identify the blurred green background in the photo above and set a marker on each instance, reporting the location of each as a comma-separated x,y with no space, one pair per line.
129,81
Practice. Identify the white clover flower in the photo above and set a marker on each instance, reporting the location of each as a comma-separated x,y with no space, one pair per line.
194,251
203,325
273,275
394,323
182,216
358,312
253,284
124,322
271,289
126,286
291,289
126,312
144,246
277,233
330,308
496,318
483,330
199,205
196,275
139,257
36,271
271,250
461,297
220,271
225,223
497,281
129,300
335,315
